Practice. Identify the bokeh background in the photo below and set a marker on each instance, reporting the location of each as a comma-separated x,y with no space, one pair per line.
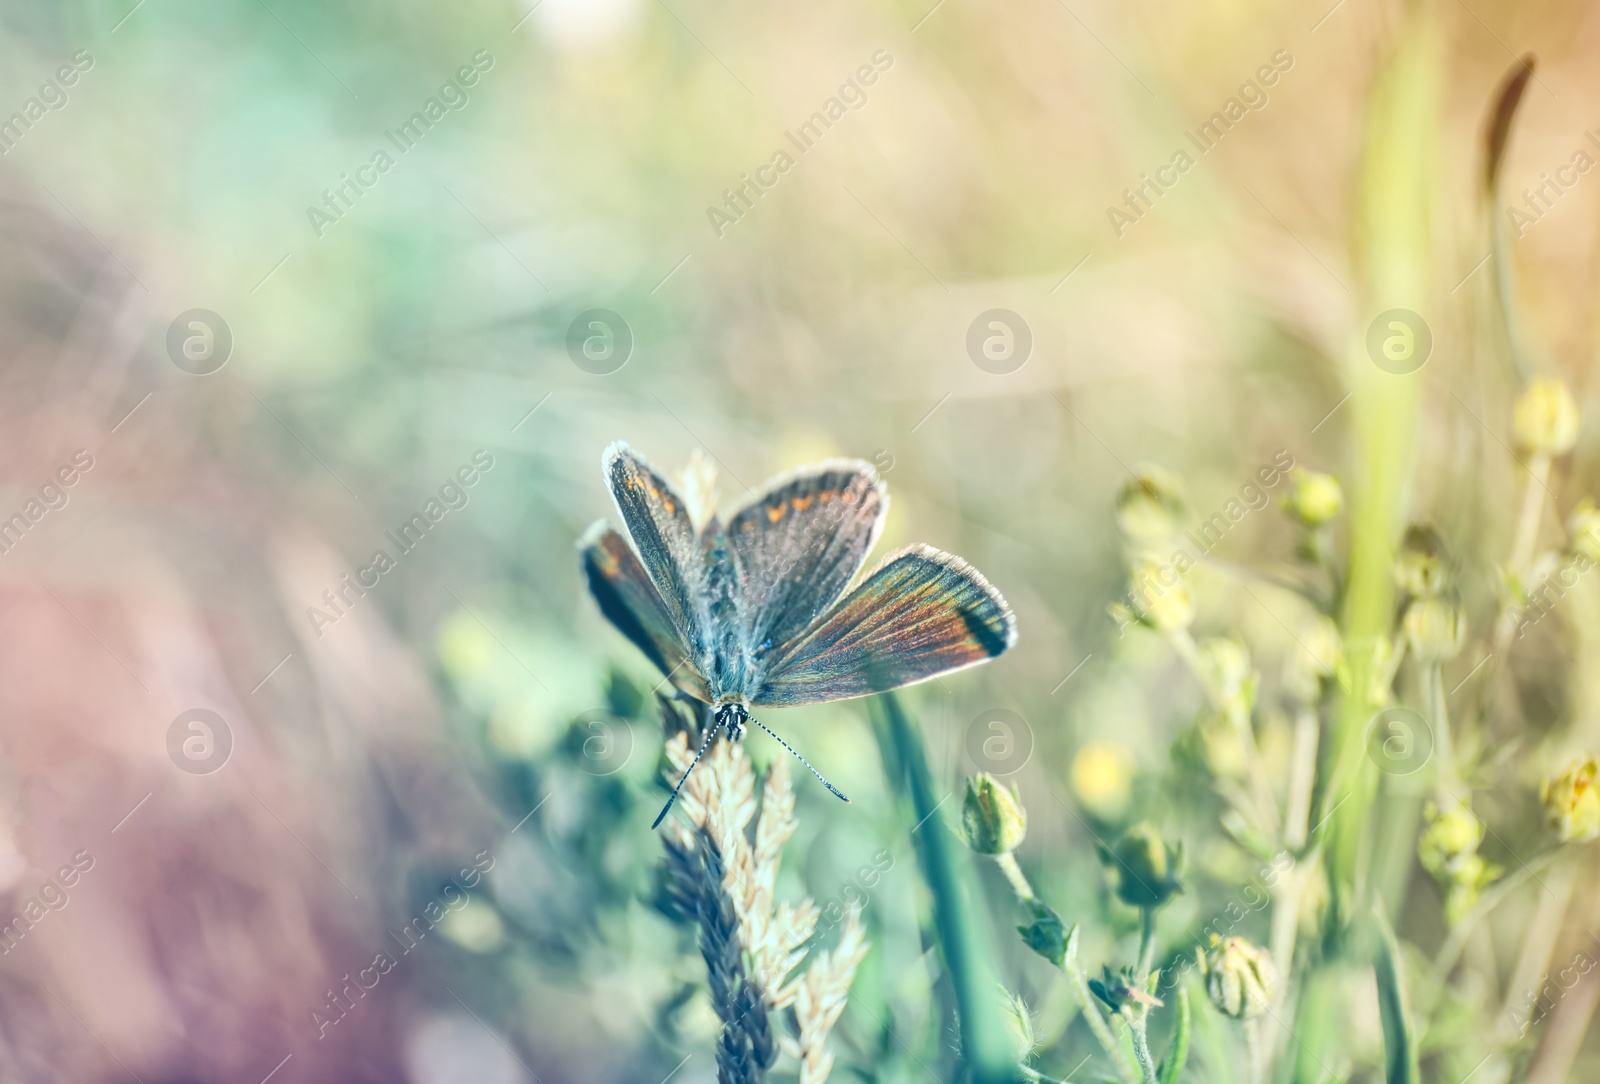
473,707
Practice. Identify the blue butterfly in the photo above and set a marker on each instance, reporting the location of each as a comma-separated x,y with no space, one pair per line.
748,612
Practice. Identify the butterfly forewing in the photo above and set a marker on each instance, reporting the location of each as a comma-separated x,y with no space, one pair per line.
799,543
662,532
922,613
631,602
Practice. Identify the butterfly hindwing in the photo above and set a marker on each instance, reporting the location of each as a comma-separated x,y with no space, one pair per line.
801,540
658,522
631,602
922,613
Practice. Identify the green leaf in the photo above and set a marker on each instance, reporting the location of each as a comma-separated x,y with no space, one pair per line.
1105,994
958,913
1396,200
1046,935
1172,1068
1400,1049
1505,108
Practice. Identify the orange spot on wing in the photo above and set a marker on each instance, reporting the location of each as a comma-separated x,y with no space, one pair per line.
775,513
666,502
802,503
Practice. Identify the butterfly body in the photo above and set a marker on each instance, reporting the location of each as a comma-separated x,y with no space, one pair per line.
759,610
726,658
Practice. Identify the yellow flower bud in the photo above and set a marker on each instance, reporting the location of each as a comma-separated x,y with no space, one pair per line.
1571,802
1102,778
1222,745
1313,498
1226,664
1240,977
1450,838
1143,870
1435,630
1585,528
1162,597
1420,570
1151,508
1314,655
1471,877
1545,417
992,816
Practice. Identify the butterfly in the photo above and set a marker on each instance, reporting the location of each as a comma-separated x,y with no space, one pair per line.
754,611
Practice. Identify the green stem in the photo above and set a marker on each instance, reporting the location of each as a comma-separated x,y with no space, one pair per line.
1522,547
1302,777
1539,938
1267,807
1256,1050
1019,881
1250,575
1091,1011
1141,1051
1449,778
1450,952
1183,643
1296,829
1521,559
1322,546
1286,899
1505,288
1139,1022
1147,945
1532,506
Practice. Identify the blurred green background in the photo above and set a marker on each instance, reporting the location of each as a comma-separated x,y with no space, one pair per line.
473,706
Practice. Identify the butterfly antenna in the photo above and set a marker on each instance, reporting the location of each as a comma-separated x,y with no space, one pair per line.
801,759
711,732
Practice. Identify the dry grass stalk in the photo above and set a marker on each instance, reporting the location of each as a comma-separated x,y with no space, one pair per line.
819,998
722,863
